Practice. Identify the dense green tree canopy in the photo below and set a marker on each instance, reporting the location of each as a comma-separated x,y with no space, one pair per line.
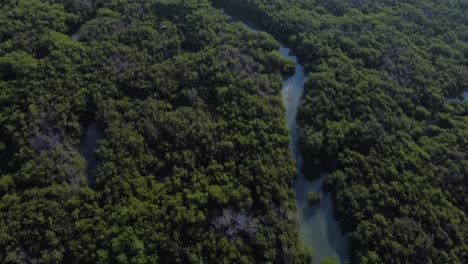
375,113
193,164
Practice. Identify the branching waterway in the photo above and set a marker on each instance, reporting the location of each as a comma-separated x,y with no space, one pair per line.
318,226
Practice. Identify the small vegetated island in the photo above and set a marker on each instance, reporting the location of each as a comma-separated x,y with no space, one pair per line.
192,162
314,197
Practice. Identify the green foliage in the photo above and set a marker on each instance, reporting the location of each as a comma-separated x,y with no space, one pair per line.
330,260
314,197
16,65
374,113
191,163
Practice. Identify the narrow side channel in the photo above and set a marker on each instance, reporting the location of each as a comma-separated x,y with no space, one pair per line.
88,149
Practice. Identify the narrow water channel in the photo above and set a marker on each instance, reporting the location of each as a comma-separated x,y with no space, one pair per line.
318,227
88,149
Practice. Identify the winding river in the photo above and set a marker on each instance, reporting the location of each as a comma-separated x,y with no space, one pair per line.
318,227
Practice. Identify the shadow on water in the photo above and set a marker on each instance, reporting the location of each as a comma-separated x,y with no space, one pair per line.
75,37
318,225
88,149
463,98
